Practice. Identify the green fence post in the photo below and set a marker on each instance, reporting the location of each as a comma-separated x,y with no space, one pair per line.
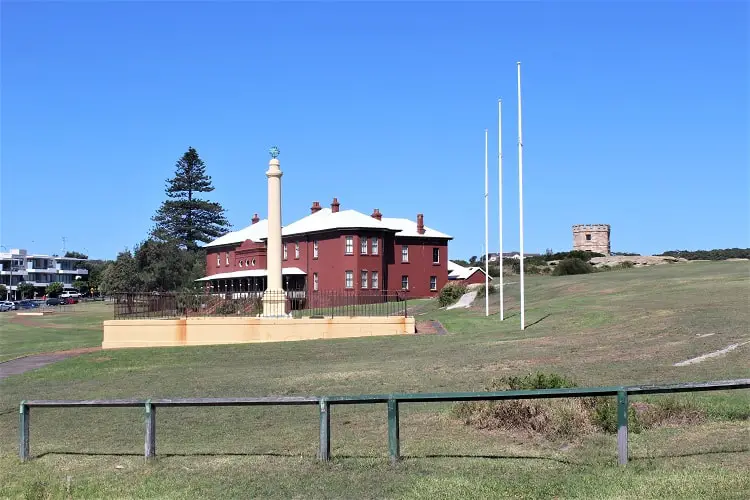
324,454
622,427
23,450
150,446
393,431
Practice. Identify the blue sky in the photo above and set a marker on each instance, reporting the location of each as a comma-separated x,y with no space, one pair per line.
635,114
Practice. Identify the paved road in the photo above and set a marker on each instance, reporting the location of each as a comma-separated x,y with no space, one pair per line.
34,361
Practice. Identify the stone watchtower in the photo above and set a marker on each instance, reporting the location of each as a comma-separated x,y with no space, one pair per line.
591,237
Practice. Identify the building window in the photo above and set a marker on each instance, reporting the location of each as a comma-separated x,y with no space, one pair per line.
374,277
349,245
226,257
363,245
240,263
363,277
315,281
404,253
315,249
588,237
404,282
433,283
284,251
218,260
436,256
374,245
253,262
349,279
296,250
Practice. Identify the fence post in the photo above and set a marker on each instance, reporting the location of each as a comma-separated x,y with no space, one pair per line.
150,446
23,450
324,454
394,446
622,427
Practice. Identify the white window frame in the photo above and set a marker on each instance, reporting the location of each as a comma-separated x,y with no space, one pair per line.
404,253
218,259
296,250
315,281
405,277
433,288
434,251
374,245
363,277
363,245
315,249
374,280
349,245
227,257
285,251
348,279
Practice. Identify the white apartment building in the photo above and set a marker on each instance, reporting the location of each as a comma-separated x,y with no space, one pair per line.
18,266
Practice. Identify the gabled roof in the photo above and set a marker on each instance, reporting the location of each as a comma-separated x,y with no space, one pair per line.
255,232
325,220
408,228
459,272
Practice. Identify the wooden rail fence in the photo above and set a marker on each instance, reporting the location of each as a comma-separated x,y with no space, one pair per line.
393,401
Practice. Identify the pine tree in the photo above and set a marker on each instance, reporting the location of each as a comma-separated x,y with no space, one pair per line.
184,218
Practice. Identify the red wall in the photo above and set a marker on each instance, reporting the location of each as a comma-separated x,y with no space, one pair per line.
475,278
420,266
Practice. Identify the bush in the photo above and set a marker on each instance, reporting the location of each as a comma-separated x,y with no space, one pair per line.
627,264
569,417
450,293
482,290
572,266
575,254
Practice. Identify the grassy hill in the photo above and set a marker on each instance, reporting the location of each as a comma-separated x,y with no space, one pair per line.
620,327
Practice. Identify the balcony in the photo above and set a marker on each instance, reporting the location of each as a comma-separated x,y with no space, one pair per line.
73,271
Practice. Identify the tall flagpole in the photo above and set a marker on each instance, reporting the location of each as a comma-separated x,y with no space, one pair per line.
486,232
520,198
500,196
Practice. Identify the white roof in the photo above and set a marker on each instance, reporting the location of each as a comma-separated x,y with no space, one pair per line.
324,220
459,272
254,232
252,273
408,228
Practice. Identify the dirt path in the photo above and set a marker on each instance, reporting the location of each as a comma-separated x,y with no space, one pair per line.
34,361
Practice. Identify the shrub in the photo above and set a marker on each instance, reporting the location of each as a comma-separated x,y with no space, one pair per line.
627,264
575,254
450,293
569,417
482,290
572,266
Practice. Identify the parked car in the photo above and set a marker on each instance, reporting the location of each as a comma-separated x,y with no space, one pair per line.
26,304
7,305
68,300
53,301
69,293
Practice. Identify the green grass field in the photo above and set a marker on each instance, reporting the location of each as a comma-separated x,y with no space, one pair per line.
79,326
623,327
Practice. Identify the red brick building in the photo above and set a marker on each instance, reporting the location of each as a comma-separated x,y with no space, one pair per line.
466,275
333,249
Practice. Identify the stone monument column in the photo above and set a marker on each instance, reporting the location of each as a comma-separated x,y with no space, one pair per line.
274,298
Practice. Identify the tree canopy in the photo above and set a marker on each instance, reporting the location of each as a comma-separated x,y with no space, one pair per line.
76,255
184,218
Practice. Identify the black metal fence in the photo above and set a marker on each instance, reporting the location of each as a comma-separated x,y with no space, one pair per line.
298,303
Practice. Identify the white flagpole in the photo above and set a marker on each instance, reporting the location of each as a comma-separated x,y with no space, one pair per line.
486,232
500,196
520,197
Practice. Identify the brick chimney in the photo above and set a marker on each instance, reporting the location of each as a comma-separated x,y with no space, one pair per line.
376,214
256,219
420,223
335,205
315,207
